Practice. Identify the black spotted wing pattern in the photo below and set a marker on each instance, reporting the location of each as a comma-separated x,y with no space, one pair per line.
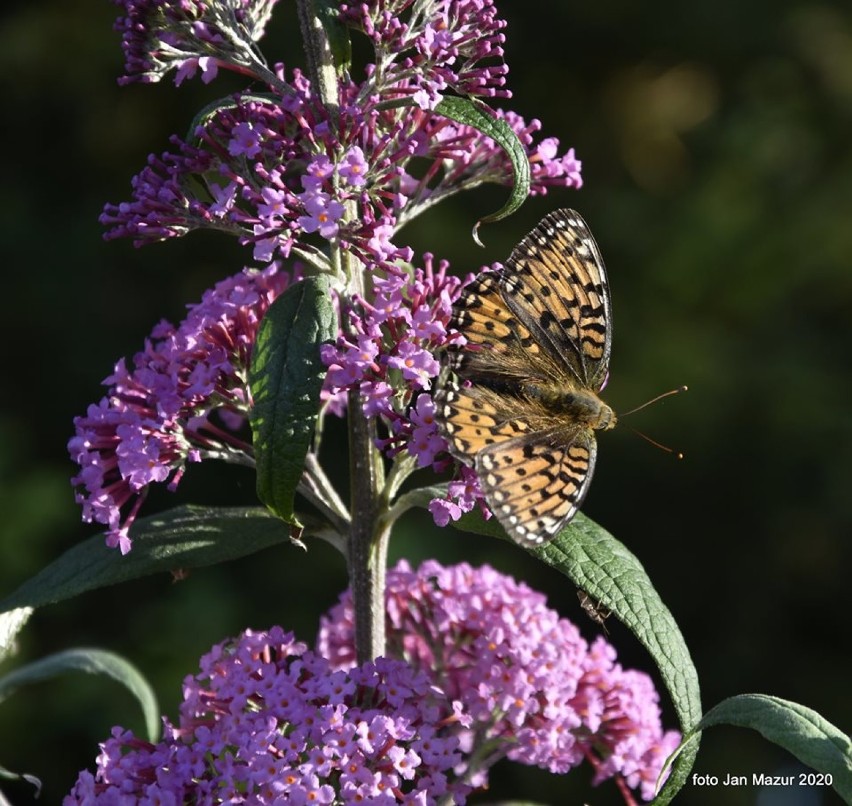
519,400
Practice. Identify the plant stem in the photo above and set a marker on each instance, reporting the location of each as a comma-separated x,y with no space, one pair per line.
367,541
368,536
318,51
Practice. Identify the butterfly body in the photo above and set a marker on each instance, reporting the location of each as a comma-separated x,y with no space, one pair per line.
581,406
519,401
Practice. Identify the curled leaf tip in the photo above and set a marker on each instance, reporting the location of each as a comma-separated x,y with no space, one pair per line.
296,532
474,233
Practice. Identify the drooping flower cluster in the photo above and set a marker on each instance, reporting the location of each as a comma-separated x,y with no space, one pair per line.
184,399
266,721
535,690
157,36
275,173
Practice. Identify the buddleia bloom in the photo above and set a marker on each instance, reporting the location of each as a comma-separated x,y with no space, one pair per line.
387,350
536,692
279,174
291,180
278,168
184,398
267,721
424,49
158,36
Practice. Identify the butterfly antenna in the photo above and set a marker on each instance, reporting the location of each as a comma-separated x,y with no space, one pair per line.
666,448
655,399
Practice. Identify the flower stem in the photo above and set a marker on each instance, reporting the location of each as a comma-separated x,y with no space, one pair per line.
367,541
320,61
368,537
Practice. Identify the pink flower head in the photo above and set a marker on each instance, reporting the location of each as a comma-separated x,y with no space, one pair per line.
456,45
183,401
267,722
158,35
530,683
304,170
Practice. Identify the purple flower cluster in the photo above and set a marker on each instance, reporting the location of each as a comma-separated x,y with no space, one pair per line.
266,721
535,690
387,354
186,397
288,176
422,52
277,169
159,35
184,400
463,494
276,173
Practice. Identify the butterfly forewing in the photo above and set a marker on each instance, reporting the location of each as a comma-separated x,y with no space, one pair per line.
495,337
518,402
555,285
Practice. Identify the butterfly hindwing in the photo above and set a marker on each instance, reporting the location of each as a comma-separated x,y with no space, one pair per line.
536,482
471,421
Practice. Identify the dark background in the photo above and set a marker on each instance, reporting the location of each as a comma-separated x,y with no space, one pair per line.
716,150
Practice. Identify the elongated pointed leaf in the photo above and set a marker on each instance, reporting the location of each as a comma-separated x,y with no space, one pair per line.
286,379
799,730
182,538
93,661
480,116
600,565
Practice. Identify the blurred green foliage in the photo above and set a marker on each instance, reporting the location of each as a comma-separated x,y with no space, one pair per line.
718,165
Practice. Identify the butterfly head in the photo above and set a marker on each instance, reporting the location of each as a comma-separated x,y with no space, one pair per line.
606,418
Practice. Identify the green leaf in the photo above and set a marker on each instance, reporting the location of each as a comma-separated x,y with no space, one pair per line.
285,380
600,565
93,661
328,13
480,116
799,730
182,538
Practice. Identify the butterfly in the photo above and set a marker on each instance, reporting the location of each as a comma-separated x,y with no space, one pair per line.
519,401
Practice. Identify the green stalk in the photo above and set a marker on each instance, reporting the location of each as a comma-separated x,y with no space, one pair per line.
367,537
367,541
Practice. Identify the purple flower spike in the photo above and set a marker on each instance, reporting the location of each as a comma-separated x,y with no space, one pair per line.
184,400
455,45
